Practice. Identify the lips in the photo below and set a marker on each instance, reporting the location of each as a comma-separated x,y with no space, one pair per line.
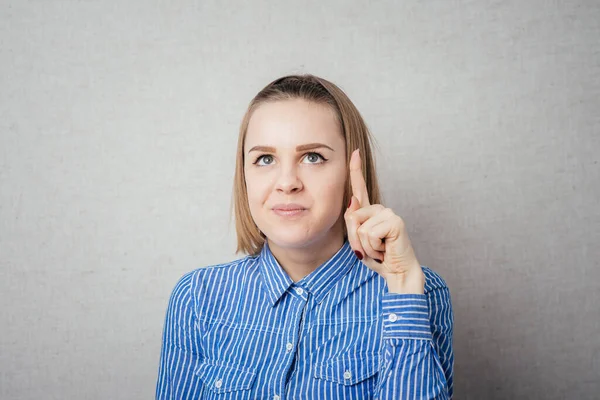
289,211
289,207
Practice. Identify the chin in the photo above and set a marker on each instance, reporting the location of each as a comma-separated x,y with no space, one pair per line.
291,237
288,240
296,237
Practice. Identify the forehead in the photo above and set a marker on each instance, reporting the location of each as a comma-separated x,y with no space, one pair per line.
293,122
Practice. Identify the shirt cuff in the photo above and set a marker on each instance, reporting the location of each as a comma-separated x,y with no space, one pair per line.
406,316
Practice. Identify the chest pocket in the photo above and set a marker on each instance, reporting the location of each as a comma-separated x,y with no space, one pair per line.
224,378
348,369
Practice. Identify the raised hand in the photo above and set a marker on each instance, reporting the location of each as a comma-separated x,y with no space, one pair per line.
378,237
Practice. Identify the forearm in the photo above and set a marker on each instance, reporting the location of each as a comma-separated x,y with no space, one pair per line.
415,358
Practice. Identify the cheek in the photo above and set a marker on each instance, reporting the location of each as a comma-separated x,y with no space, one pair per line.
332,188
257,187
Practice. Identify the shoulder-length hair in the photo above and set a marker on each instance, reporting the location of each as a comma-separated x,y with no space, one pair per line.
250,239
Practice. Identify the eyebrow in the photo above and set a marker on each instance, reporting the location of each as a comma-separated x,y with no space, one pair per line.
302,147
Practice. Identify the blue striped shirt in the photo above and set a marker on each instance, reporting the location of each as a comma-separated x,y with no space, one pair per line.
245,330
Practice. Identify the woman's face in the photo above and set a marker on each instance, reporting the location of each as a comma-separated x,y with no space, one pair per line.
295,171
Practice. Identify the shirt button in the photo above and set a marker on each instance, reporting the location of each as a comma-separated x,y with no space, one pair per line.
289,347
276,397
347,375
299,291
218,383
393,317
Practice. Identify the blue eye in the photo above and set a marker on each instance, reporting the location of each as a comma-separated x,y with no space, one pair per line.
315,158
266,158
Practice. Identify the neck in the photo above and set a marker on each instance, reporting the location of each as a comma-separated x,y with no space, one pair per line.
298,262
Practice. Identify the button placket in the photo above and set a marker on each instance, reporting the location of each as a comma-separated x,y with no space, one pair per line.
295,335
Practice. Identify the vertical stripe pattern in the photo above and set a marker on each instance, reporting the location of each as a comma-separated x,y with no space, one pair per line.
245,330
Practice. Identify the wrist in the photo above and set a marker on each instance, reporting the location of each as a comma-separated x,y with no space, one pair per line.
412,282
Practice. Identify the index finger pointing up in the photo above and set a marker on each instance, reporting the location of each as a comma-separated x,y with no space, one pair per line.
357,180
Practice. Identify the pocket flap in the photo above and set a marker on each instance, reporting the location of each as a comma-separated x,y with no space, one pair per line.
221,378
348,370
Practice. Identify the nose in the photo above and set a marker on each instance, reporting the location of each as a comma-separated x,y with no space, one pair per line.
288,180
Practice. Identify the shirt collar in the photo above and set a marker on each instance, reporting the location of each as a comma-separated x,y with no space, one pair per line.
318,283
275,280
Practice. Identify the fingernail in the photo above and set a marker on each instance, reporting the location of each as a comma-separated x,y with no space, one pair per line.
358,254
379,261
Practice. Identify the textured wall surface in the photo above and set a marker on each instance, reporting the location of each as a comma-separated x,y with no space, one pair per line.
118,124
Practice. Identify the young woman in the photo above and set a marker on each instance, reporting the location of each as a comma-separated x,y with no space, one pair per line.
331,301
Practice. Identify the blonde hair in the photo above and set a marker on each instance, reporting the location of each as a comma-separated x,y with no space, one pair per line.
356,134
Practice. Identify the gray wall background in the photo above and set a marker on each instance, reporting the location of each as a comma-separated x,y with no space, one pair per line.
118,124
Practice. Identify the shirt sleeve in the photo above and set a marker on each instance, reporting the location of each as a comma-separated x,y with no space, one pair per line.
417,355
180,350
